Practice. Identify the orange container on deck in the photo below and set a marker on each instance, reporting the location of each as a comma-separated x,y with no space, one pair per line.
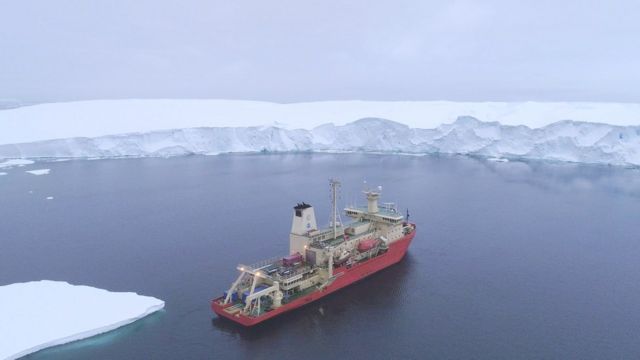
367,244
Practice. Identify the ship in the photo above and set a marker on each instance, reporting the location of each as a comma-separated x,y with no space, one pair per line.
321,261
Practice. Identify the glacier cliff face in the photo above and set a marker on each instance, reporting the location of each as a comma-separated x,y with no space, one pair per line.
560,141
96,118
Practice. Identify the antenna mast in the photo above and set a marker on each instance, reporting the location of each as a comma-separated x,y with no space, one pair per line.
335,185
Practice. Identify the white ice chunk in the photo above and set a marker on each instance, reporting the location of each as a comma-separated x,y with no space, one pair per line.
39,171
2,173
40,314
49,197
15,162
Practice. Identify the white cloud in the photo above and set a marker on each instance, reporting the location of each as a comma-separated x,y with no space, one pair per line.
300,51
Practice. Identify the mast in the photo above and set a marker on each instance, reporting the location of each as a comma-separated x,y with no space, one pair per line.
335,184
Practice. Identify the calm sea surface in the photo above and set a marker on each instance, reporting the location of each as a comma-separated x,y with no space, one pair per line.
511,260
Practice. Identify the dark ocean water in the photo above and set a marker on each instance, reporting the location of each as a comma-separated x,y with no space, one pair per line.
511,260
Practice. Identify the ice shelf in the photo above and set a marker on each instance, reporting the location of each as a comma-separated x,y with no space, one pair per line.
602,133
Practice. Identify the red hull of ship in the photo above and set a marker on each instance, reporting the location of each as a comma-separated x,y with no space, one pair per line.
343,276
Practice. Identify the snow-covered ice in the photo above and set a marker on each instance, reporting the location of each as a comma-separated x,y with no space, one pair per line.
96,118
561,141
15,162
39,171
49,197
40,314
2,173
606,133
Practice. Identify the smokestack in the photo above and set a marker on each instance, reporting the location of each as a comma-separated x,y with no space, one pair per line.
372,199
304,219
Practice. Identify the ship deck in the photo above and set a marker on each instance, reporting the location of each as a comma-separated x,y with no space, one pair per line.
275,269
235,308
329,242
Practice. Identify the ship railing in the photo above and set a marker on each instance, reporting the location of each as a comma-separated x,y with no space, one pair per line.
390,207
260,265
296,272
364,233
384,208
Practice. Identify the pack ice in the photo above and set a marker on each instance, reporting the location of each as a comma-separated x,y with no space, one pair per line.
40,314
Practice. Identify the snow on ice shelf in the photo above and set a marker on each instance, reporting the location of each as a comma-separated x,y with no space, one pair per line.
40,314
96,118
602,133
571,141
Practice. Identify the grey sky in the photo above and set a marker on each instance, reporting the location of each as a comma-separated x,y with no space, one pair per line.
288,51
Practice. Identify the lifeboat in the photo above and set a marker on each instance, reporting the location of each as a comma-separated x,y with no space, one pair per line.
368,244
339,260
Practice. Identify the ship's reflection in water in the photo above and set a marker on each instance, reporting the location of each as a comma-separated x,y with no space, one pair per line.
511,260
379,295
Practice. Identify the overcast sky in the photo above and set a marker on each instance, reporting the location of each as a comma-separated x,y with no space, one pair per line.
289,51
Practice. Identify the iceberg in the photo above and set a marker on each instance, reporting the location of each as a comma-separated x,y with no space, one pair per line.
40,314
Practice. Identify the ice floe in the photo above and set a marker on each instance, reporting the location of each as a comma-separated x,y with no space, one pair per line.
40,314
14,162
39,171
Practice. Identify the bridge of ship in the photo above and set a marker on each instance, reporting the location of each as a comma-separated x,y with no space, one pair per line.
386,213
